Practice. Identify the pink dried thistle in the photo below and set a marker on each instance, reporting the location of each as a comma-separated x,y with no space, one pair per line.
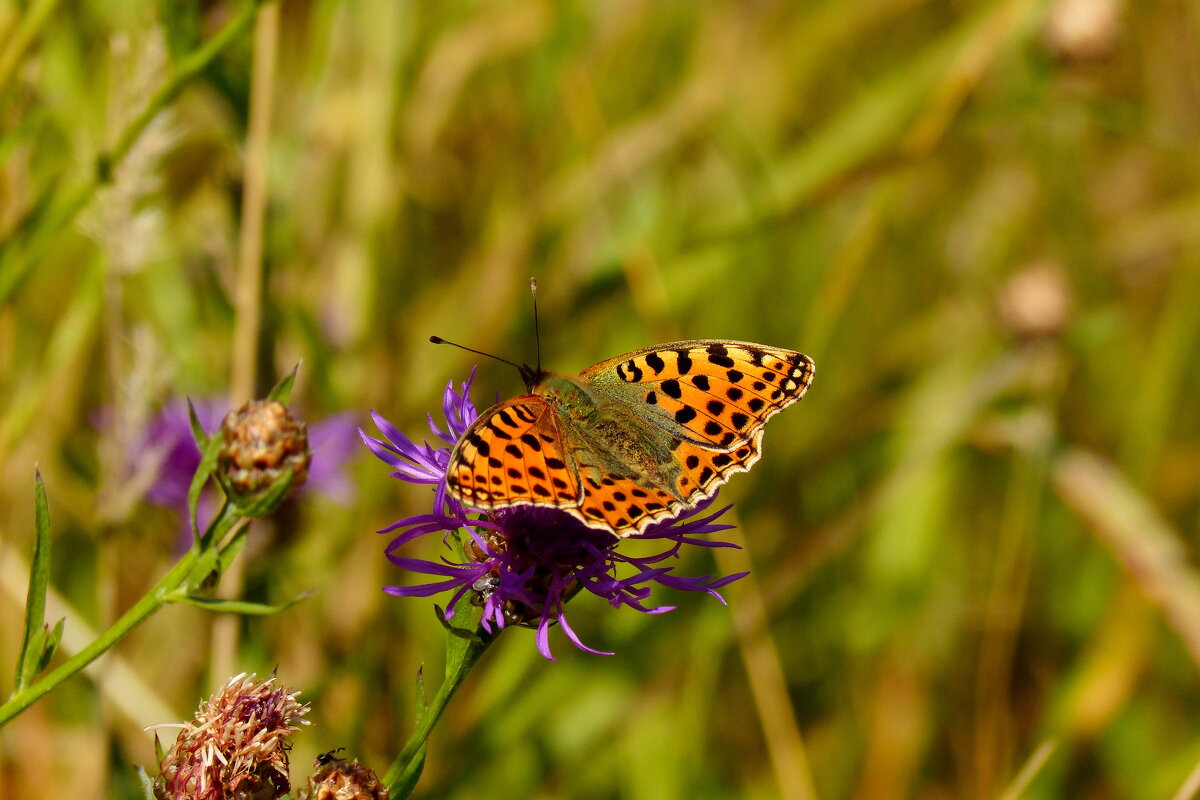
237,745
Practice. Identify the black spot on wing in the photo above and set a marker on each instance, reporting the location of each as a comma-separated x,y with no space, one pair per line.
495,429
480,445
672,389
683,361
717,354
655,362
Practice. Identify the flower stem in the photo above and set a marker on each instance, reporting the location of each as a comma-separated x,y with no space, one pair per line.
158,596
401,770
155,599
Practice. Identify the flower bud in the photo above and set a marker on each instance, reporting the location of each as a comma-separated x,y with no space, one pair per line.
338,779
262,441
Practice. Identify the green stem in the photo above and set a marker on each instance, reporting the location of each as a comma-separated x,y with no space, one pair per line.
47,233
225,521
154,600
414,748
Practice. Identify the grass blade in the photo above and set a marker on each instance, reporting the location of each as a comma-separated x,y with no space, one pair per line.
33,642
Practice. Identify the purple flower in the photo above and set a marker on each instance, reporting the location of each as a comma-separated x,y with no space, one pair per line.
522,564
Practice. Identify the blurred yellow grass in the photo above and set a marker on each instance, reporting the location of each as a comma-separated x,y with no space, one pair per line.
973,540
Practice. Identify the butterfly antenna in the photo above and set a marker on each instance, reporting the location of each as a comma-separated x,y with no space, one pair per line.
537,334
526,373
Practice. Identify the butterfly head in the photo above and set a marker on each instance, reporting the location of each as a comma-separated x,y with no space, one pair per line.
532,376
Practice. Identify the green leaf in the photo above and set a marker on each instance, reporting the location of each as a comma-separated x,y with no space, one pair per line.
145,781
201,576
229,551
208,463
50,641
198,433
469,634
283,390
265,503
412,771
33,640
159,753
238,606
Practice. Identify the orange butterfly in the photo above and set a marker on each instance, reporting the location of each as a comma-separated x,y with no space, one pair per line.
633,440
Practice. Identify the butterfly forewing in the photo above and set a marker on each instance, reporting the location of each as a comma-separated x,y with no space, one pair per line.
513,454
711,392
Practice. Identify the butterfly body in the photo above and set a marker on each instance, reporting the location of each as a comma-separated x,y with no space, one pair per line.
632,440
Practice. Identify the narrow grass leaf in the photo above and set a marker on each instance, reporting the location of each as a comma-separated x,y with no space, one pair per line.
33,639
412,771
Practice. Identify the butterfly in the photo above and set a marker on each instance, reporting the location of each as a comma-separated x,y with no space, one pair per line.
633,440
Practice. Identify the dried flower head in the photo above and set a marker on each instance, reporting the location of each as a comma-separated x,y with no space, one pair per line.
522,564
236,747
262,442
1083,30
1035,303
339,779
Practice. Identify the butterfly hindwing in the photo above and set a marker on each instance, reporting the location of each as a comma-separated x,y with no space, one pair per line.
712,392
706,470
512,454
622,504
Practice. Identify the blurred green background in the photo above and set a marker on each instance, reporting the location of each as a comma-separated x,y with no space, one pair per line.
971,542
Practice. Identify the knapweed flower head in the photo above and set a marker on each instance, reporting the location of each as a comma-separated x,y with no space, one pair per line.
262,442
236,746
522,564
169,441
